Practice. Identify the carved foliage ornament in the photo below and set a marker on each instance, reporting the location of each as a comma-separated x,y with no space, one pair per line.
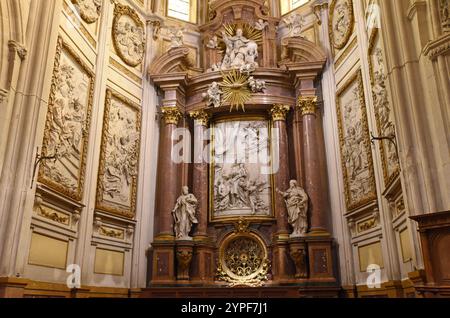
89,9
68,123
341,21
119,159
128,35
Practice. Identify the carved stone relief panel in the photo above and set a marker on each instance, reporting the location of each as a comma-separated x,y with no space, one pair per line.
119,158
89,10
383,112
356,153
341,22
241,183
128,35
68,123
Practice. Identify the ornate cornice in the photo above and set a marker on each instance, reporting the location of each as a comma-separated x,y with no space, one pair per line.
307,105
200,117
437,47
279,112
171,115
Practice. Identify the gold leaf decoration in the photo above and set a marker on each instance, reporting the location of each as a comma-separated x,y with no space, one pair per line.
235,89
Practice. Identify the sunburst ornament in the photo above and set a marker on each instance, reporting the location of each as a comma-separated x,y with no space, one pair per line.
235,89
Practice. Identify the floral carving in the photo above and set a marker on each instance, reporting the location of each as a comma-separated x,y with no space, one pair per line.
342,20
89,9
128,35
68,122
119,160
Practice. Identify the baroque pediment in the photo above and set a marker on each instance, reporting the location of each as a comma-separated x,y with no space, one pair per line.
174,61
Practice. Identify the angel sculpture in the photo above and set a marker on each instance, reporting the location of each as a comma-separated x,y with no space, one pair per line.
213,96
260,25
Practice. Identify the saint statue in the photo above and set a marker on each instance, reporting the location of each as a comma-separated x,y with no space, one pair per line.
297,205
184,214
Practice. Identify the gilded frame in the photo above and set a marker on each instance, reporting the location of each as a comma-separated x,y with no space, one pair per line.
119,11
100,202
351,204
234,218
78,194
388,179
349,31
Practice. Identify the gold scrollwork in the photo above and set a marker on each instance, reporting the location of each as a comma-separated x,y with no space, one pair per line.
243,260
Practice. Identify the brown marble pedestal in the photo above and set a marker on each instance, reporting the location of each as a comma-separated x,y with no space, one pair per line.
298,251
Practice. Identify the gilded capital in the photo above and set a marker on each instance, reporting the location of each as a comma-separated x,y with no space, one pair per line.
171,115
279,112
307,105
200,117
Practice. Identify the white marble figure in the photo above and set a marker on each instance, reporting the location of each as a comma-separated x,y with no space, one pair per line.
184,214
260,25
297,205
295,23
213,43
213,96
241,53
256,86
176,38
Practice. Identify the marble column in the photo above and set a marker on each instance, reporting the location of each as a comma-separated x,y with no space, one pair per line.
313,177
168,186
200,171
281,170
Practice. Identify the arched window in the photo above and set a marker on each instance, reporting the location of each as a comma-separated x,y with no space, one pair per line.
289,5
185,10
